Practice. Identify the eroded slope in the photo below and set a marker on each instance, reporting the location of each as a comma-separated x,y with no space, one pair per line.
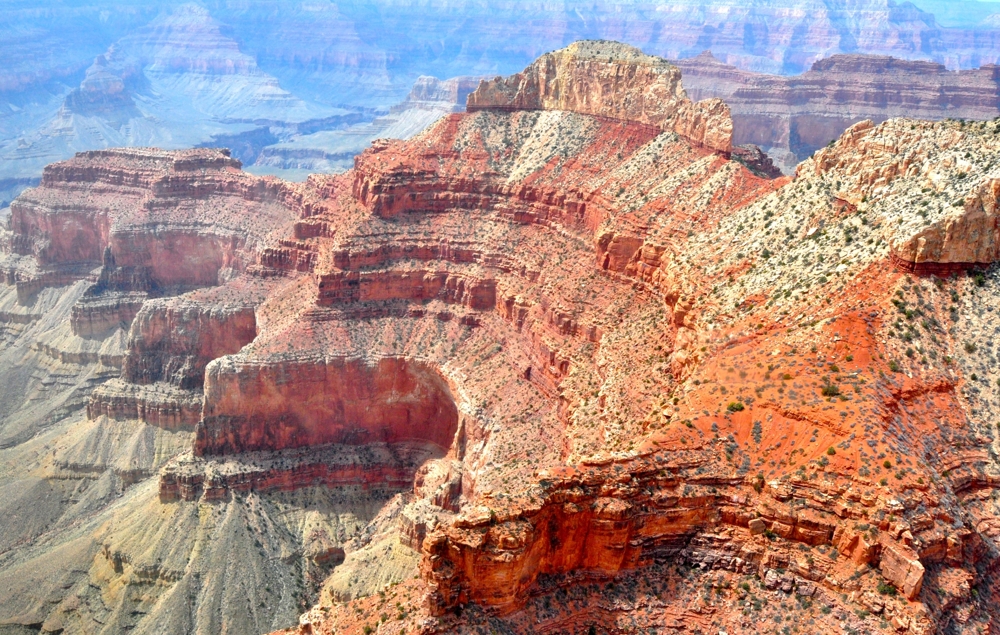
554,364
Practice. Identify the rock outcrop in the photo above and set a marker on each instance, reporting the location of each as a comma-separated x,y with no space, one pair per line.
968,236
274,406
763,437
605,79
173,341
955,227
119,196
585,370
373,464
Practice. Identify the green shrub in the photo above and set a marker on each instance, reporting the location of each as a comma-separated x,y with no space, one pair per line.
887,589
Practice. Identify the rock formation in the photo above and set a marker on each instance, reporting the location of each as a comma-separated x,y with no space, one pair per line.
763,436
570,370
791,117
605,80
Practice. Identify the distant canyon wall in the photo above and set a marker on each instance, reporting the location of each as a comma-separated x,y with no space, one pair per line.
792,117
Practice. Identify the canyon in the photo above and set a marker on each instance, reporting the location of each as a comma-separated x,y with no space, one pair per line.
294,88
793,117
571,360
181,81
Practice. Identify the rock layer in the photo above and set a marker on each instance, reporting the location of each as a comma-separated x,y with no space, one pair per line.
792,117
313,402
607,80
632,366
704,426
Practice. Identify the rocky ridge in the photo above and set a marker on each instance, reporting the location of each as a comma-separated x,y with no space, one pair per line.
577,360
607,80
715,480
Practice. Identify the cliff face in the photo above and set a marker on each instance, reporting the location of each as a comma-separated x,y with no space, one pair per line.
306,403
967,236
785,454
173,341
570,367
140,220
792,117
117,194
607,80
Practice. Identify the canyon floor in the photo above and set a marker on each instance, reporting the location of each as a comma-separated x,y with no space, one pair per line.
569,361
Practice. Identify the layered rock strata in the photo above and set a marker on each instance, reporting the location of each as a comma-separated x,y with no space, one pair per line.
607,80
382,465
149,223
792,117
754,439
628,366
141,214
309,402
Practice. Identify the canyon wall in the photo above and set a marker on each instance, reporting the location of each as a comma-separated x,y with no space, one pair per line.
306,403
593,361
173,341
717,432
792,117
139,214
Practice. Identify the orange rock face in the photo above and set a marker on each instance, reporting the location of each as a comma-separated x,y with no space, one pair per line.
785,439
626,378
314,402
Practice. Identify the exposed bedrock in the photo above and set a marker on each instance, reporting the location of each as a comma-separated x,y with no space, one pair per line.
56,232
792,117
170,343
390,193
174,340
390,182
95,315
155,220
959,222
595,521
969,235
146,260
160,404
383,465
297,403
612,80
361,286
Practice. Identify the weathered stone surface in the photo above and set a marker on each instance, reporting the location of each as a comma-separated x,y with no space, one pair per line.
902,567
624,353
966,235
118,197
174,340
610,80
301,403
